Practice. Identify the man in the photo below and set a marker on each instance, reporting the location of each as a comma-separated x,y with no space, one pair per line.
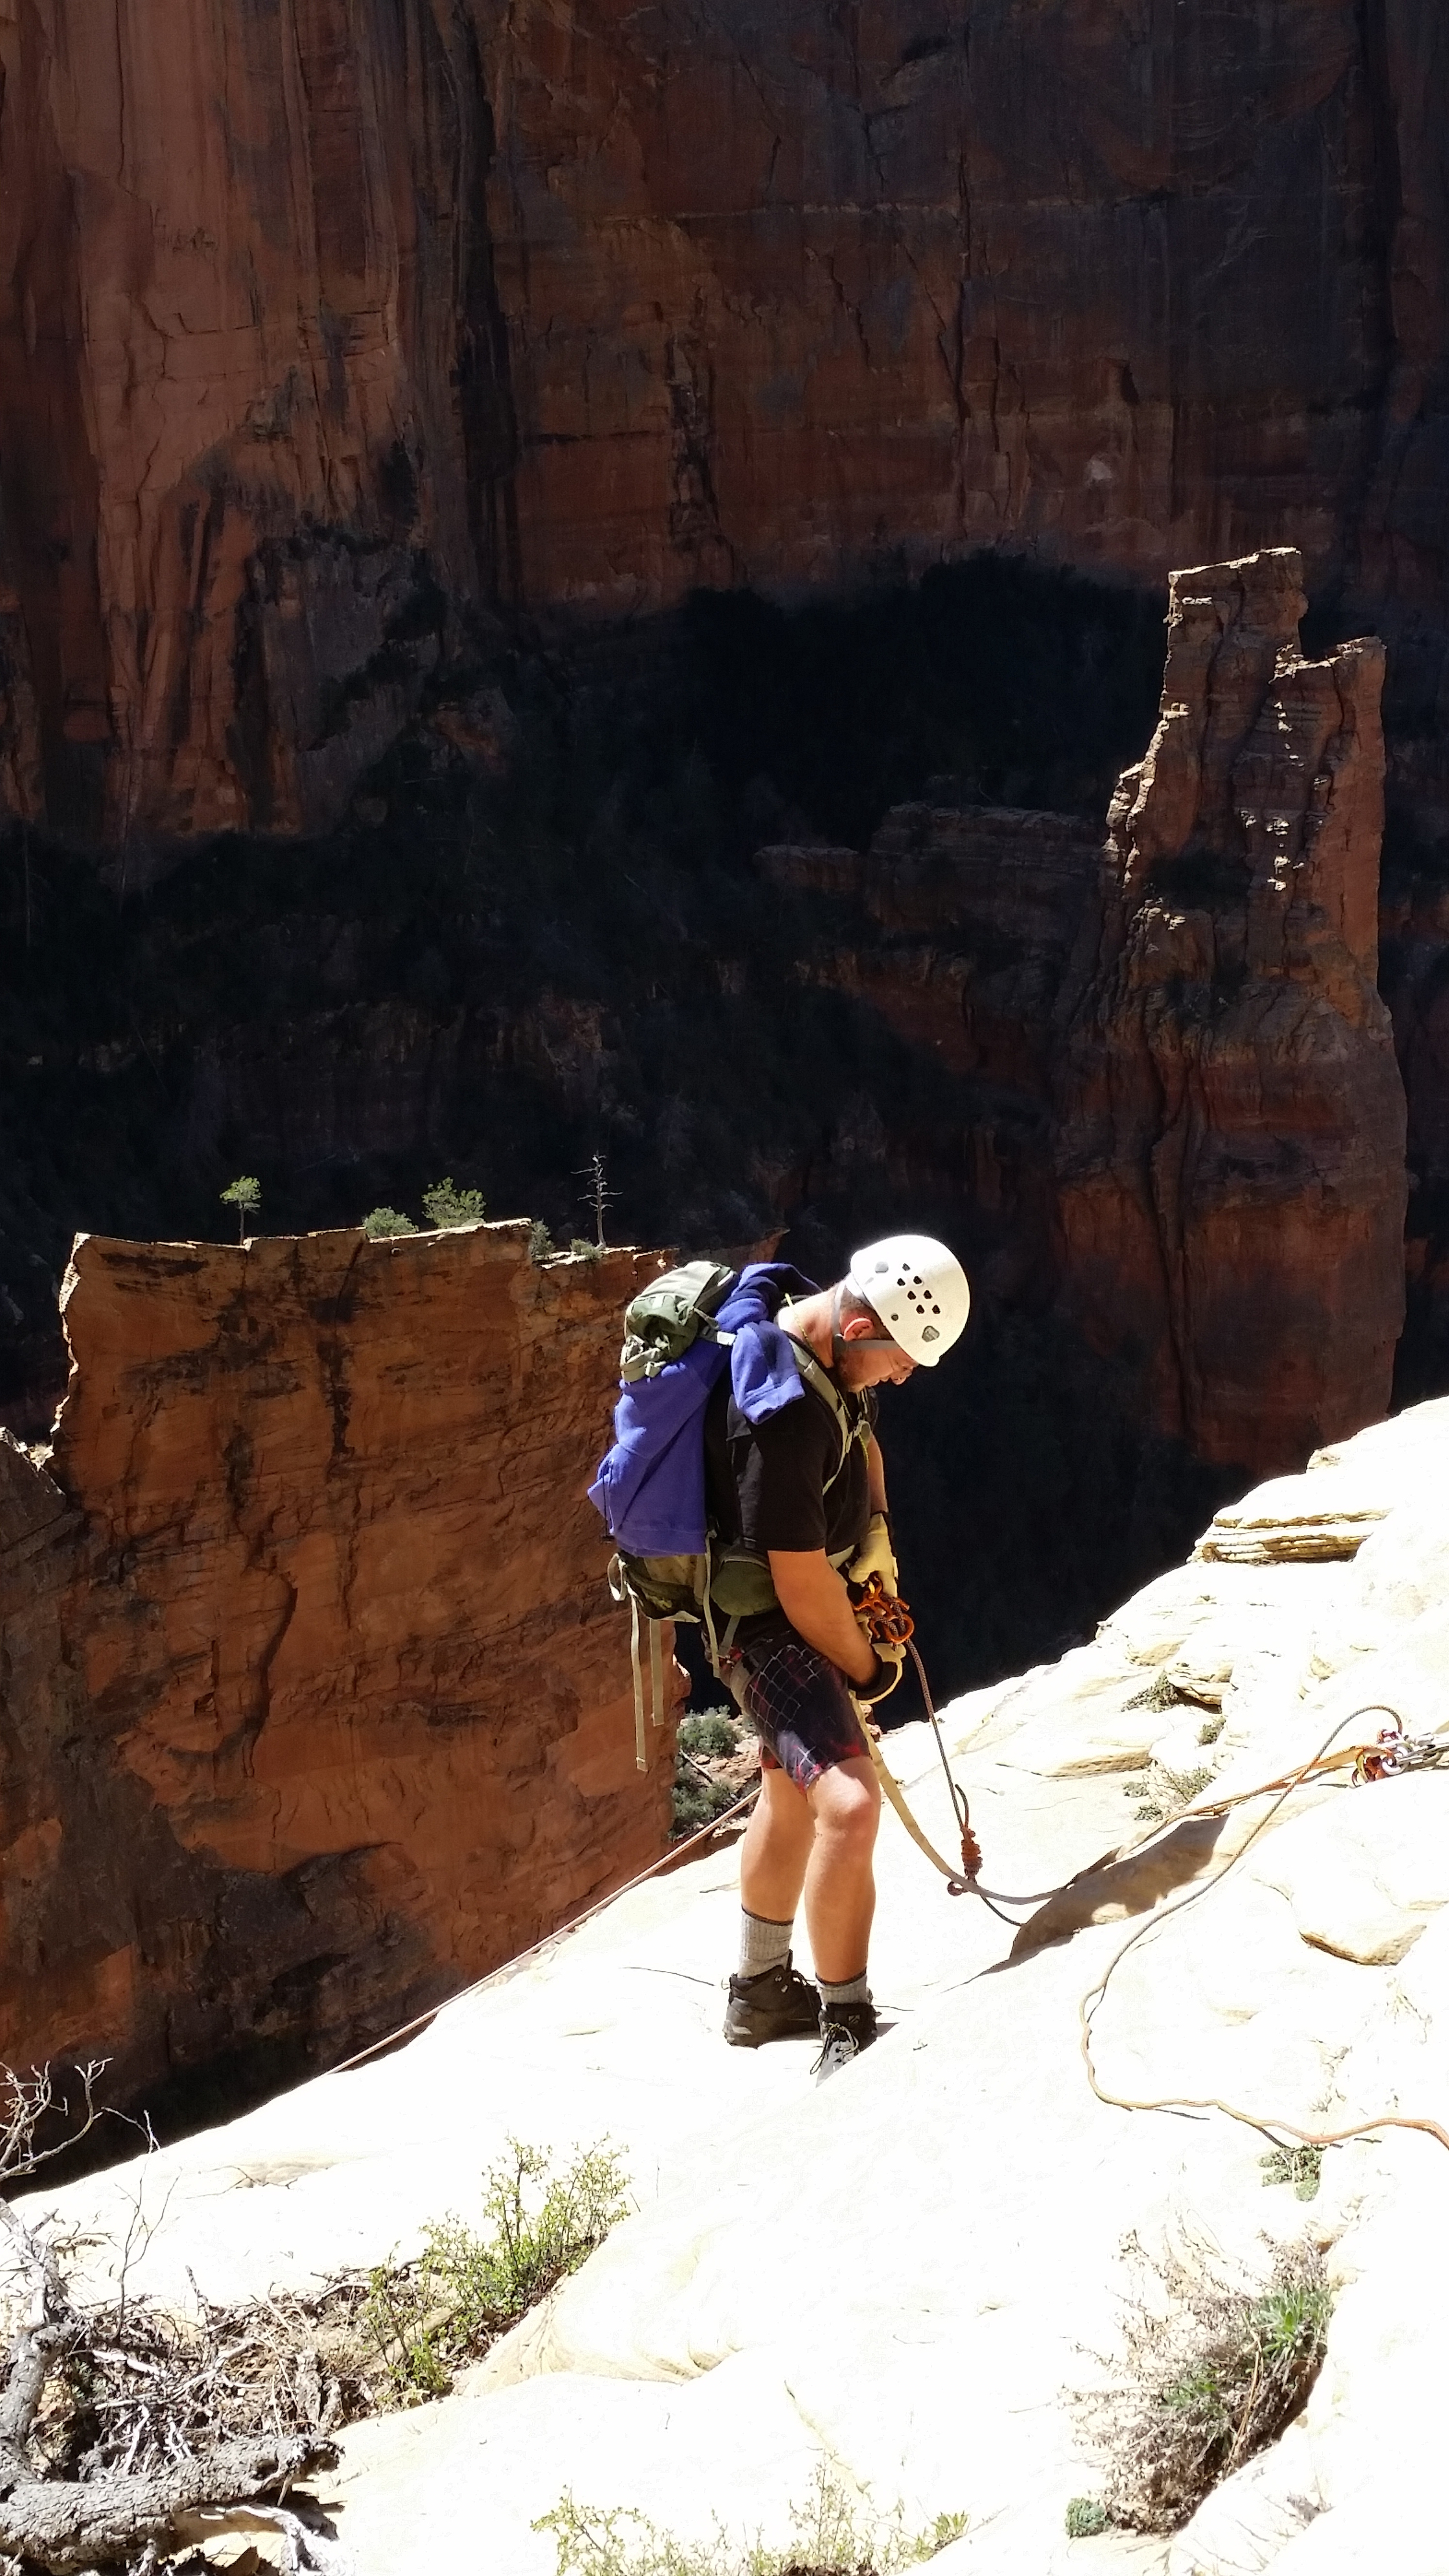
804,1490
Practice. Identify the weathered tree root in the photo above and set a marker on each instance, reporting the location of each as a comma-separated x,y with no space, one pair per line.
66,2525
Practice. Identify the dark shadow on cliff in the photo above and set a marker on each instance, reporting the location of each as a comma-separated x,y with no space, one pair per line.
543,932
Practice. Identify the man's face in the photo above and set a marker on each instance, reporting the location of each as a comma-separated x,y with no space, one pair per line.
865,1361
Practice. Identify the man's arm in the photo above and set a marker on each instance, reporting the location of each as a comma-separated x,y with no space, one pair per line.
875,1468
817,1605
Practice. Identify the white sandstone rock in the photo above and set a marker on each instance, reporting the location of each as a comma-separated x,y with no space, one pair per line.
906,2272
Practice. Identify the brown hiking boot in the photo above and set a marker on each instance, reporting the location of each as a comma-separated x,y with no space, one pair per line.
779,2004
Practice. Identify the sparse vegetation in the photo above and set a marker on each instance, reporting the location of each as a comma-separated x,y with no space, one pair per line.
697,1803
245,1195
1300,2166
702,1791
1212,2370
1086,2516
1211,1728
138,2415
1161,1793
713,1731
584,1250
445,1205
470,2285
540,1243
834,2534
381,1222
1159,1693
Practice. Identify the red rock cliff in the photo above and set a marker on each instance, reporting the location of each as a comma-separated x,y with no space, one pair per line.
1179,1122
1230,1112
318,318
316,1705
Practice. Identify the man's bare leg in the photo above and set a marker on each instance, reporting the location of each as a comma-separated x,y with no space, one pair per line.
844,1806
776,1850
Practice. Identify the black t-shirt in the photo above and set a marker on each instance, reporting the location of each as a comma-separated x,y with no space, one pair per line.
767,1487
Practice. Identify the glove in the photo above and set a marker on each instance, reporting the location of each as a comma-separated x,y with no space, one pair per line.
889,1660
877,1556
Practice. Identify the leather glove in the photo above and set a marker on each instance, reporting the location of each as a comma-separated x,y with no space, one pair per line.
889,1660
877,1556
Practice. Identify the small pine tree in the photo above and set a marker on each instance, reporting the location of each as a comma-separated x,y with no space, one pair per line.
245,1195
445,1206
383,1222
598,1197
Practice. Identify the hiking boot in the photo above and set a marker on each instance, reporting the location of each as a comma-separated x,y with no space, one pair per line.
779,2004
845,2029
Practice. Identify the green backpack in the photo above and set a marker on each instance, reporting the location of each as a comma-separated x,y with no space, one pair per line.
725,1583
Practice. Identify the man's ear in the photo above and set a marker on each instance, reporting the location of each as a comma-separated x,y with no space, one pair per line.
858,1328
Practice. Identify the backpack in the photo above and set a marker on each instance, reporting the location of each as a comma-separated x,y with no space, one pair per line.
679,1337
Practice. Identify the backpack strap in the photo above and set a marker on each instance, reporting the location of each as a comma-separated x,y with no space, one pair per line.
819,1380
641,1758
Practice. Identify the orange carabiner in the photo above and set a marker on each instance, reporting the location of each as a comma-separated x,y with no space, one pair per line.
885,1618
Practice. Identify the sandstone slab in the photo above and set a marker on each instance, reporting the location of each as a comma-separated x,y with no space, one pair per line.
969,2195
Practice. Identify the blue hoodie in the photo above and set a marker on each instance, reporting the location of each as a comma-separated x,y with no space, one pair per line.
650,1487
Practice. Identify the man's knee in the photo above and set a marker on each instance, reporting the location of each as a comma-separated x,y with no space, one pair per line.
847,1808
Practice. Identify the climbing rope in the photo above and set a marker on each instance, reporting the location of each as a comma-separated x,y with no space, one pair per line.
1426,1750
1393,1754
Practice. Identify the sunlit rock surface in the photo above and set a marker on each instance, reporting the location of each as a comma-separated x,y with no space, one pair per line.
907,2271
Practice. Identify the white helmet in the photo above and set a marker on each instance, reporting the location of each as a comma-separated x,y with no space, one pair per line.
919,1290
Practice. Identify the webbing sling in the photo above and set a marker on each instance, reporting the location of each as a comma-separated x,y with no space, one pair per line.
656,1681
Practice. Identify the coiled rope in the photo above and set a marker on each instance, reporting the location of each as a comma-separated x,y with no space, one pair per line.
1266,2124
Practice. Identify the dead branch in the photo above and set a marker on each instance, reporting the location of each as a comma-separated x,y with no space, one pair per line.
66,2525
24,2101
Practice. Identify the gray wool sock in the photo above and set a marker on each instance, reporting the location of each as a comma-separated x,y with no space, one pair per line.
762,1945
856,1990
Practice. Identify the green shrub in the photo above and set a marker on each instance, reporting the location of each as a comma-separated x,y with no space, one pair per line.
471,2284
1302,2166
1212,2371
833,2536
445,1206
698,1802
540,1242
1086,2517
584,1248
379,1223
1161,1794
713,1732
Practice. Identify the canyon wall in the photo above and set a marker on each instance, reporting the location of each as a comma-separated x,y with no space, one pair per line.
325,325
1184,1120
1231,1179
316,1705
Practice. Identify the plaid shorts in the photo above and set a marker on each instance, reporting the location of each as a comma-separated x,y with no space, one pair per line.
799,1705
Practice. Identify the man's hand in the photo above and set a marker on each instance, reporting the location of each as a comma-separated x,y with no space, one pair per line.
890,1659
817,1605
877,1556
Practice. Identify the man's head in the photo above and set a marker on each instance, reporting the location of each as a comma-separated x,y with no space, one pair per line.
901,1305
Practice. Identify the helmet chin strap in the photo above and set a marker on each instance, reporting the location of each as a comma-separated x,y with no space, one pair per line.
861,1341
